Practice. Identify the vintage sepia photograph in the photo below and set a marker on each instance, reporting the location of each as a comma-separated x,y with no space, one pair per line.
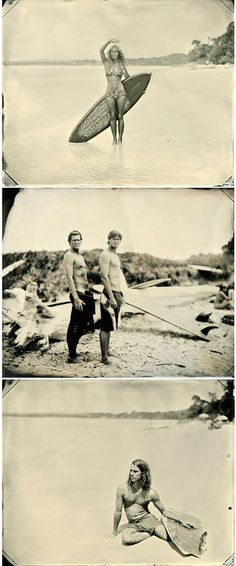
118,472
118,283
117,93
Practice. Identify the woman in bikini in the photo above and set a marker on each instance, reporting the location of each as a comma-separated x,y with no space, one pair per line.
114,64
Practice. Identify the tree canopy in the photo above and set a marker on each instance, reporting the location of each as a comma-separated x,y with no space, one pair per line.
218,50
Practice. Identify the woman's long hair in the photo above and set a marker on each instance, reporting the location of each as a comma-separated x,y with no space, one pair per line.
120,57
146,479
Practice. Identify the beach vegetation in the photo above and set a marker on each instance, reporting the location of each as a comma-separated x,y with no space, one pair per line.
218,51
45,267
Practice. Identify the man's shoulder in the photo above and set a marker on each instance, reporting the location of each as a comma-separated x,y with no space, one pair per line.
68,253
121,488
105,253
153,493
68,257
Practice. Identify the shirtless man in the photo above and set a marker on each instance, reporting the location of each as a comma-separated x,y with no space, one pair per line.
222,300
135,497
83,307
110,272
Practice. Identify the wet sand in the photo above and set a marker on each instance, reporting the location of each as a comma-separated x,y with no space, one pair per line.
143,346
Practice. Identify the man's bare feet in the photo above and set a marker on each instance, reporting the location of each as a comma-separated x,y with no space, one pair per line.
73,360
106,361
110,353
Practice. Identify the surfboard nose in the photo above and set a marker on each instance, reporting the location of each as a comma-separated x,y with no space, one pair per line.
136,86
144,79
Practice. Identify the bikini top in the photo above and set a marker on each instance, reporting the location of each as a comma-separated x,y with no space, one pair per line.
112,70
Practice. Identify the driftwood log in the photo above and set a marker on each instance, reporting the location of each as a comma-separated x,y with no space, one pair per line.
26,318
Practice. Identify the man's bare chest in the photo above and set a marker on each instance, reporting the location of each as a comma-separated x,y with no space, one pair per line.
115,262
79,263
139,497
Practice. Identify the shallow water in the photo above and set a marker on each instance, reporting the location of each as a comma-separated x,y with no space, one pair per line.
61,476
178,134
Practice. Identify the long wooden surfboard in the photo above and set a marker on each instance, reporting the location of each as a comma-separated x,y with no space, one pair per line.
189,540
97,119
143,304
151,283
9,268
176,321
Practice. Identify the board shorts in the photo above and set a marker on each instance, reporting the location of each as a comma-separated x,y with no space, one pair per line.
84,318
110,93
107,324
147,524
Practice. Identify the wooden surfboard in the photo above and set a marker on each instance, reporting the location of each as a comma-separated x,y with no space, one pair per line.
189,540
10,268
151,283
97,119
176,320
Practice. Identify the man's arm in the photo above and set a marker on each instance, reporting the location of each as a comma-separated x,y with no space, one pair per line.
118,509
68,265
104,265
224,296
157,502
168,513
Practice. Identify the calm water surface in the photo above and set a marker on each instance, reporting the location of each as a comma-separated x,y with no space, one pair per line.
178,134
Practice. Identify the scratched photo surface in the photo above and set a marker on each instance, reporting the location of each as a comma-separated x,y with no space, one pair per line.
174,269
178,120
68,445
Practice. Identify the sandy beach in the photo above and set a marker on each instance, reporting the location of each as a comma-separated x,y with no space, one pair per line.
61,474
143,346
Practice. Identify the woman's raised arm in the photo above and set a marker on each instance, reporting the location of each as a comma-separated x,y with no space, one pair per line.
102,50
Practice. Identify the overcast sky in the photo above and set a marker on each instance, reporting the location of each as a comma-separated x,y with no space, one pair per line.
69,29
106,395
167,223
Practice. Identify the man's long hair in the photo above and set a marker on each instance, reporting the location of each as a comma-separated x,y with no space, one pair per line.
146,479
120,57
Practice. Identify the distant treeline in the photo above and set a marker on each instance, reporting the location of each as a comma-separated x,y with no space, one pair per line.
218,51
212,407
46,268
172,59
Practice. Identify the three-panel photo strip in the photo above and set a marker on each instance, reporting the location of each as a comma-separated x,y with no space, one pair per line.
118,283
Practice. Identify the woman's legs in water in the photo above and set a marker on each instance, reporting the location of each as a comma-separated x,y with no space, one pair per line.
111,103
120,106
